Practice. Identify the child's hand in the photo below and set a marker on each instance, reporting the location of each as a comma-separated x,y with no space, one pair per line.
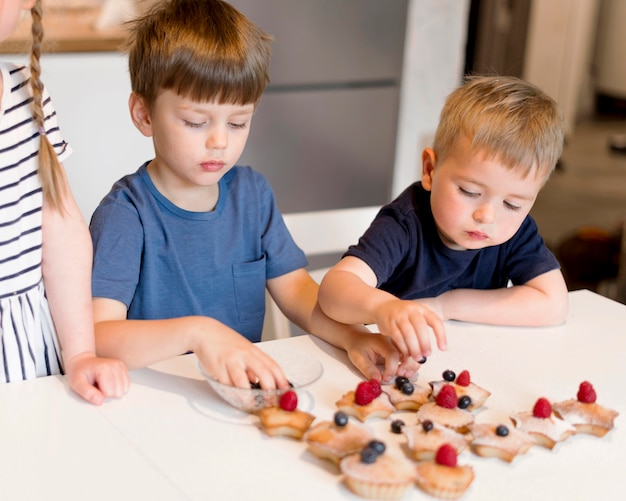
95,378
369,351
410,324
233,360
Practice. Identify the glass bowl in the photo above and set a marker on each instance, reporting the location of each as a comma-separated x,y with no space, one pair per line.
300,369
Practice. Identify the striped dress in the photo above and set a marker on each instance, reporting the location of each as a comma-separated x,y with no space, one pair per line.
28,343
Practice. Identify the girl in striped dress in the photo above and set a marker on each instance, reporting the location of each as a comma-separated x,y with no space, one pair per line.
46,320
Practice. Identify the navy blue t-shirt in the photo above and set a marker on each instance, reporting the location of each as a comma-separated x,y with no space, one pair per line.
410,261
165,262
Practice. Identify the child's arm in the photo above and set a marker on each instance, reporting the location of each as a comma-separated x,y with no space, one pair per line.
223,352
66,266
296,295
541,301
348,294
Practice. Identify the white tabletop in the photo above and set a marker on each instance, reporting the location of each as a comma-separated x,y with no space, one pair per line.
171,438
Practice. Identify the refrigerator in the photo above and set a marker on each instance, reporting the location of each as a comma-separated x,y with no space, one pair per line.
324,133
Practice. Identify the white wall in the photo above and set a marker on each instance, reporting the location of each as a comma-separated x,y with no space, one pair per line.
90,92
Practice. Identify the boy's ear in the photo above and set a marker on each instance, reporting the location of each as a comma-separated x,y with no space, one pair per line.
429,161
140,114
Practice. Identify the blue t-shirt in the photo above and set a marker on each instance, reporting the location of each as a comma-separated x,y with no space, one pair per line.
164,262
410,261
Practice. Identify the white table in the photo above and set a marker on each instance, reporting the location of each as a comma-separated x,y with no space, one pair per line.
171,438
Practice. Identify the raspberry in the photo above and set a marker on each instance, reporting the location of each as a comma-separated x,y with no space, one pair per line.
447,397
446,455
542,408
288,401
364,393
463,379
586,393
375,387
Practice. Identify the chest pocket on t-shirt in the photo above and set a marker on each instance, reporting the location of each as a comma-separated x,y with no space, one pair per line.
249,281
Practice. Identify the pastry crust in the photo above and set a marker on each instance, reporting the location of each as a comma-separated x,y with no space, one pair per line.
401,401
487,443
478,394
326,440
590,418
388,477
457,419
546,432
278,422
380,407
423,444
444,482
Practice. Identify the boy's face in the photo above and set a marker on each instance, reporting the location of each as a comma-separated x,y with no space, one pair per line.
476,202
195,143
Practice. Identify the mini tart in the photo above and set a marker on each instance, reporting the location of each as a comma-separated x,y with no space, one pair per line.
423,444
457,419
388,477
590,418
545,431
444,482
326,440
487,443
380,407
403,402
478,394
278,422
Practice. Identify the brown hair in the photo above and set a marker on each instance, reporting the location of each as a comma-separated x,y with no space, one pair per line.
505,118
50,171
202,49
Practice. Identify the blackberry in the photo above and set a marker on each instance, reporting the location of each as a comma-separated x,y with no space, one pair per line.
502,431
396,426
449,375
341,418
464,402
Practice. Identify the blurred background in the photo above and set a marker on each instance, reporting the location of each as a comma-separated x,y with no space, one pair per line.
356,89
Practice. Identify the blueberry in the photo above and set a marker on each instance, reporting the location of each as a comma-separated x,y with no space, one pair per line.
400,380
407,388
427,425
341,418
396,426
255,386
377,445
502,431
422,360
449,375
368,455
464,402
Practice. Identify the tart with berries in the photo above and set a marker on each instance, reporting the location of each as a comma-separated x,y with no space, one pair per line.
543,424
406,395
285,419
366,401
336,439
585,414
425,438
499,441
373,473
464,387
448,410
443,477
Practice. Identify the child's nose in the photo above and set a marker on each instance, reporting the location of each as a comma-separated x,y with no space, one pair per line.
217,138
484,214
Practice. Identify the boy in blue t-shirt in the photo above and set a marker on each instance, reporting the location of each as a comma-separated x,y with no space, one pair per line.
185,247
449,246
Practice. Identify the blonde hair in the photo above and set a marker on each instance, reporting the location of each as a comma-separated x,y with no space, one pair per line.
49,169
205,50
505,118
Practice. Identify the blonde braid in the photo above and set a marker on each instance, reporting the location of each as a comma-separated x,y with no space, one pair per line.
50,171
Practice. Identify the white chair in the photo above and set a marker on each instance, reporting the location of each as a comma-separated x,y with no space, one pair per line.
318,233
